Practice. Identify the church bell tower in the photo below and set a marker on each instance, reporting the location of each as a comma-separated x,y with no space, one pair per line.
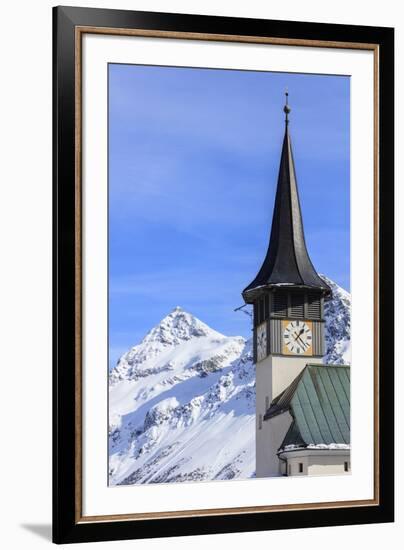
288,300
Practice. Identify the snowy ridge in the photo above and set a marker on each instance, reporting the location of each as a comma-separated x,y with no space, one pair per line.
178,327
182,402
337,313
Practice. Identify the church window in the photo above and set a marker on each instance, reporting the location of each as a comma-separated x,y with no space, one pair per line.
300,467
280,304
266,306
261,310
261,313
297,305
313,305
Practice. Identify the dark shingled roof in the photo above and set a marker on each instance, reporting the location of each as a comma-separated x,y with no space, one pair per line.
287,260
319,401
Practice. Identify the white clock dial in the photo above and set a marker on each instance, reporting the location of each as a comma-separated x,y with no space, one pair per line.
297,337
261,341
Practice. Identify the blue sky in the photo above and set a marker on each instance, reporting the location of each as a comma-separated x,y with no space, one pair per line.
193,163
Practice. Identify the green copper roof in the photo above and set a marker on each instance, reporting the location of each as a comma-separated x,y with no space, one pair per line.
319,401
293,437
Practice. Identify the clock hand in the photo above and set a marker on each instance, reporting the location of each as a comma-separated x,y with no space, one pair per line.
298,336
303,343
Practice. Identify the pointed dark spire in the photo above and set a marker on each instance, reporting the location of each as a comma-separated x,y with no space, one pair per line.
287,260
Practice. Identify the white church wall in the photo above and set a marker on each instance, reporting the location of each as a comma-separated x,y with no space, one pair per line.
316,462
285,369
268,441
329,465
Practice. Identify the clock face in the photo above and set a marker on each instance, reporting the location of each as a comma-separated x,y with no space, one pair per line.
297,338
261,341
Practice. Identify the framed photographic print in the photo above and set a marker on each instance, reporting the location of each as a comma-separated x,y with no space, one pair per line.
223,274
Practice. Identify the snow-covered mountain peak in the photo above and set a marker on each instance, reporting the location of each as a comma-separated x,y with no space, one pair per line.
152,354
179,326
337,291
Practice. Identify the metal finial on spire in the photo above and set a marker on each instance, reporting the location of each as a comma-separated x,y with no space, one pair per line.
286,108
